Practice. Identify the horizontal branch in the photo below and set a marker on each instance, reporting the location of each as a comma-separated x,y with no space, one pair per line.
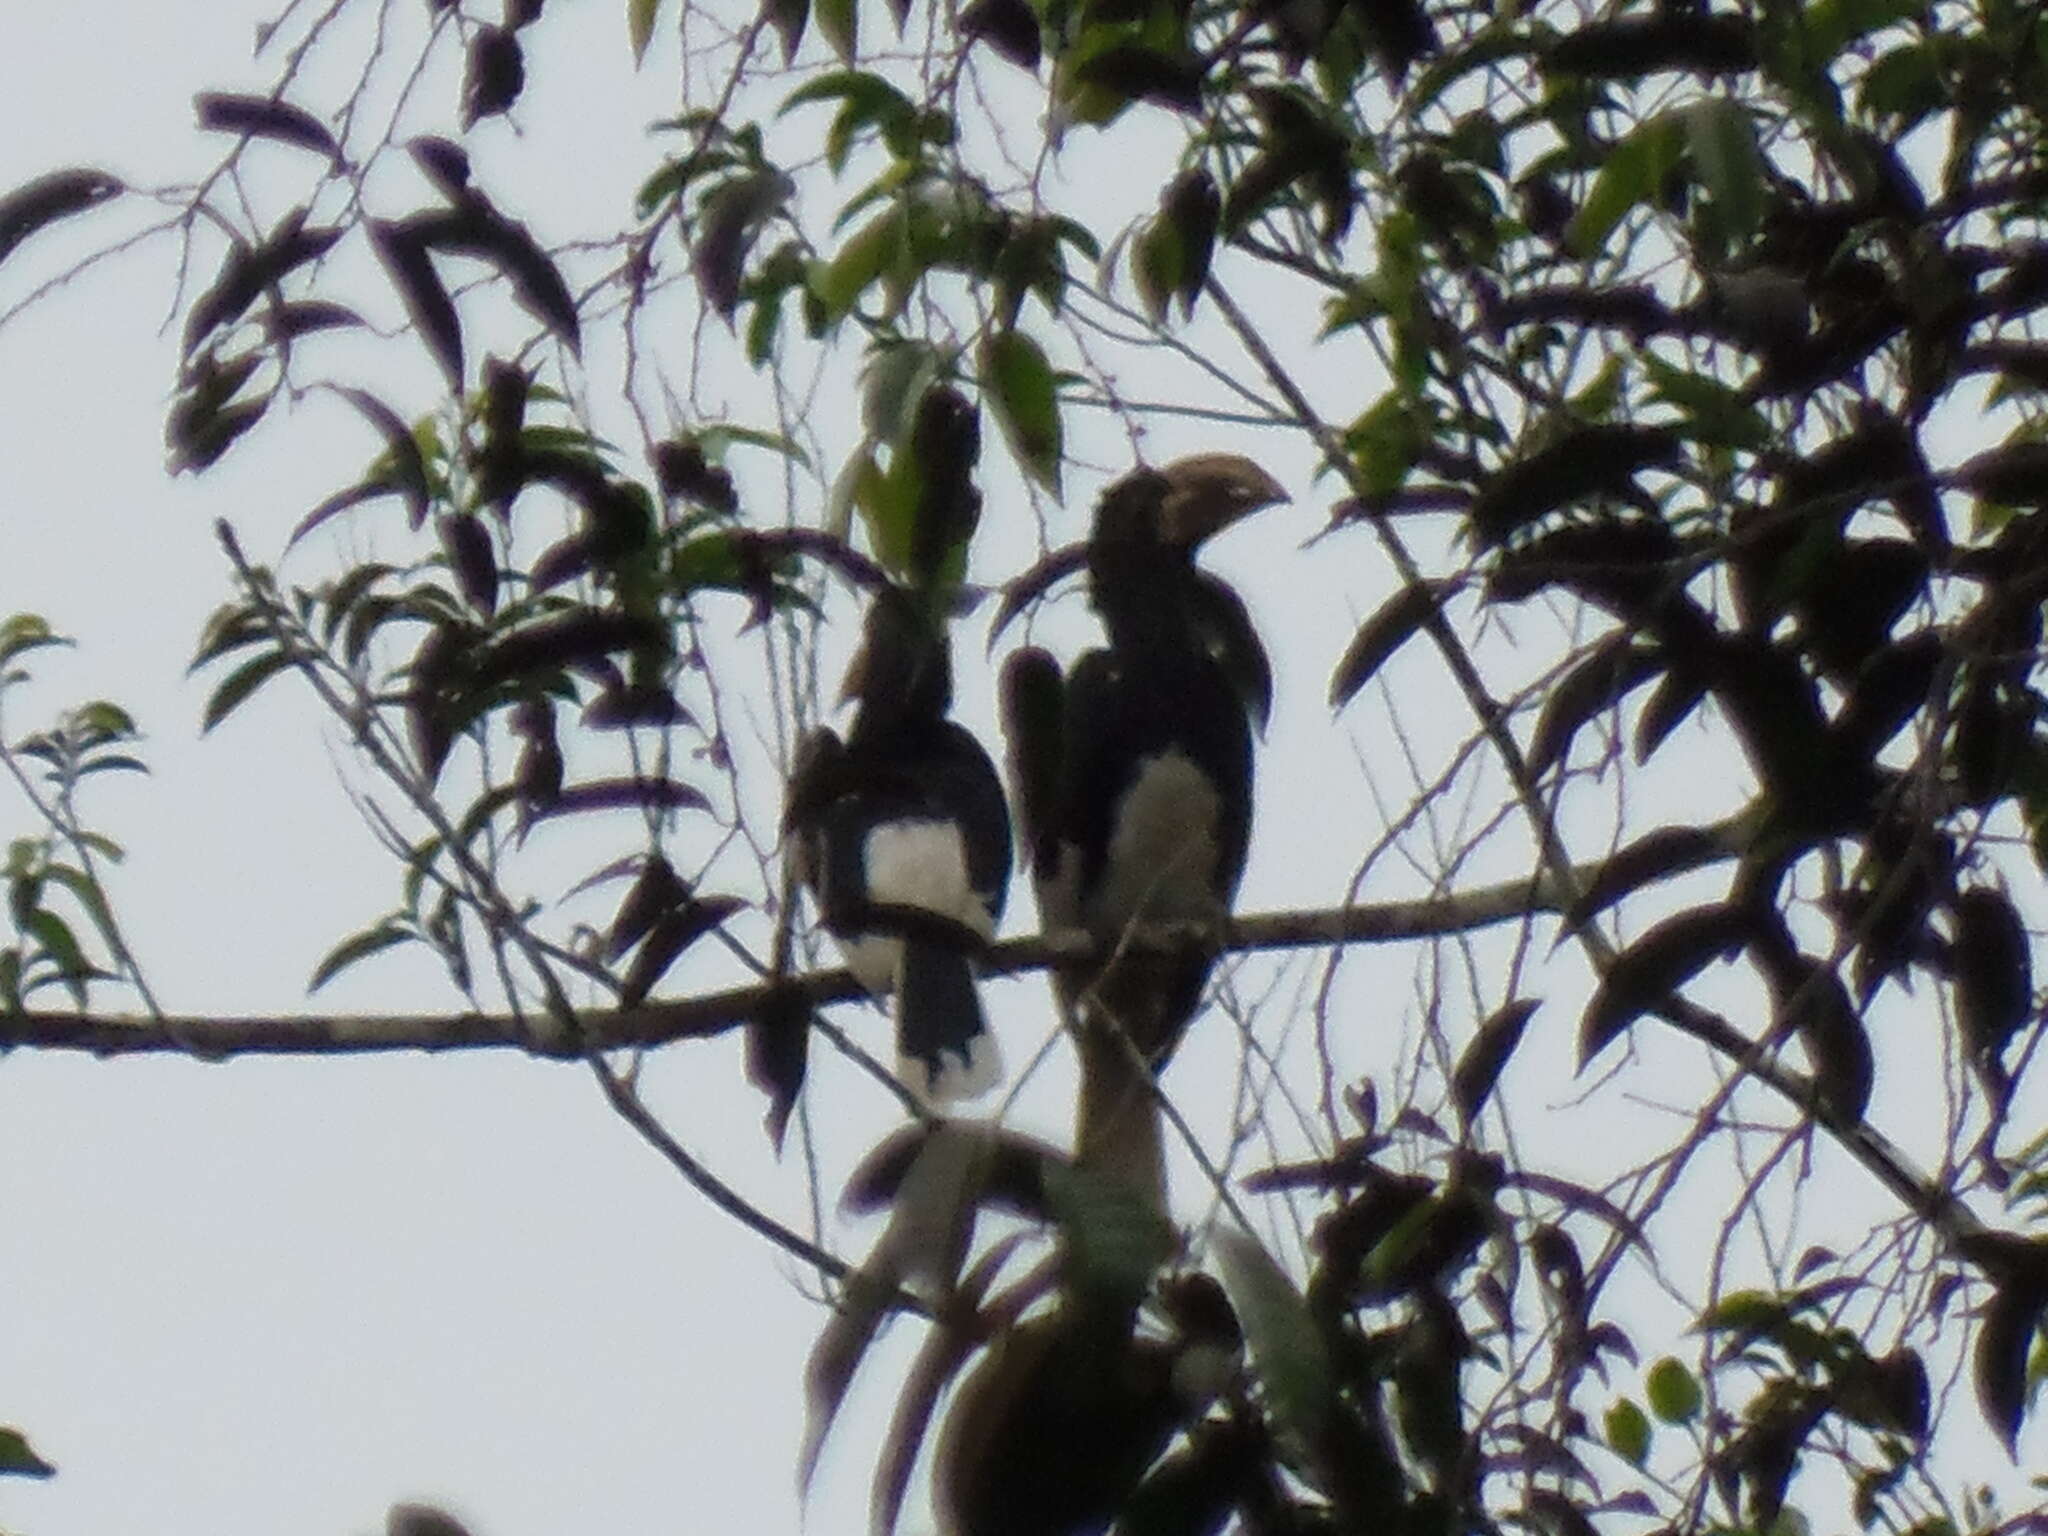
713,1013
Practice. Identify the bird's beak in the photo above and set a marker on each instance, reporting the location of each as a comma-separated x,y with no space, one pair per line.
1207,492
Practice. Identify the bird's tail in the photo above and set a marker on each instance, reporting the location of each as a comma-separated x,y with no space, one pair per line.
1118,1129
943,1044
1131,1017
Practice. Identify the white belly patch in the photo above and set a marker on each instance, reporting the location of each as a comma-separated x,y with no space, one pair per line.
1162,850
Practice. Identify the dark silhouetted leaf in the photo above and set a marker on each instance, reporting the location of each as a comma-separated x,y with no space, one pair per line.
1008,26
1630,566
1392,624
1666,709
1655,966
405,258
467,545
259,117
201,429
788,18
406,469
629,794
1890,689
1134,72
249,270
359,946
2005,1341
1848,611
1587,461
1812,1002
476,229
667,940
303,317
445,163
2015,475
565,641
235,689
47,199
1630,47
727,223
658,892
1480,1065
1993,970
493,76
1609,672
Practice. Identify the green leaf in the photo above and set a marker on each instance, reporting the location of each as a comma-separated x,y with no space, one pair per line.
26,632
1286,1346
1113,1237
375,939
867,101
1673,1391
1722,137
640,26
60,945
840,25
1718,414
1628,1431
17,1459
1634,173
892,384
90,897
239,684
1025,397
853,489
838,284
714,440
1903,88
1156,263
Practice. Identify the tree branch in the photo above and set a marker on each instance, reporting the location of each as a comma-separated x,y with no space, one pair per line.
713,1013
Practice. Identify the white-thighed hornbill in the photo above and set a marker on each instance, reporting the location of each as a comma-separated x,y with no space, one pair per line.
903,837
1133,777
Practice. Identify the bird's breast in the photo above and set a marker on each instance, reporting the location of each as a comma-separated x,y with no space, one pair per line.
1161,862
921,864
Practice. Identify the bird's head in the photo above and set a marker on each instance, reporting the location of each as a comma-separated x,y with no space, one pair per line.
1181,505
904,667
1169,511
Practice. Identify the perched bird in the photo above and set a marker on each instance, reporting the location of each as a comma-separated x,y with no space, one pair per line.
902,835
1133,778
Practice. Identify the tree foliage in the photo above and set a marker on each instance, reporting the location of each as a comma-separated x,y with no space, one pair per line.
1674,373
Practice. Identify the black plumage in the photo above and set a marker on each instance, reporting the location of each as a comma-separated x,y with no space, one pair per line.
902,835
1133,776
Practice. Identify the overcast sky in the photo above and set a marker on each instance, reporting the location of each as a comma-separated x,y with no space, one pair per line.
272,1297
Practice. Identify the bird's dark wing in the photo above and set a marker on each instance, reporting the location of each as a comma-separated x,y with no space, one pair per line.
1225,626
965,786
1034,702
1100,744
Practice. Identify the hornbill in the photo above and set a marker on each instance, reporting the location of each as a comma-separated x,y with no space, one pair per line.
1133,777
902,835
